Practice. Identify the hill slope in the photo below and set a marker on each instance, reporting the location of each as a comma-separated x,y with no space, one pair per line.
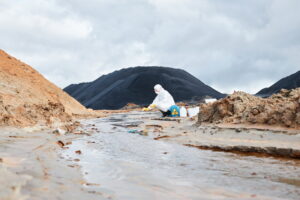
27,98
135,85
289,82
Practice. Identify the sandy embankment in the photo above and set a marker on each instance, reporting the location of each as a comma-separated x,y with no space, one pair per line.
232,138
29,162
241,123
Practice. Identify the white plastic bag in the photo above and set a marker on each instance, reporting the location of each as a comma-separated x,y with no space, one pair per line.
183,112
193,111
210,100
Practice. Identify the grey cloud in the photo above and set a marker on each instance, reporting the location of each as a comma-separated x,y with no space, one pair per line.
230,45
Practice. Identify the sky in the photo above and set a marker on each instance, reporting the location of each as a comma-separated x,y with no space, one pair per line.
227,44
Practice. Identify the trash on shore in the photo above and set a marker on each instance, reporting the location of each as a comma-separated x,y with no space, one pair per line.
192,112
139,132
210,100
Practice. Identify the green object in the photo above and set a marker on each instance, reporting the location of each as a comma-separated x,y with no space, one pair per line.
133,131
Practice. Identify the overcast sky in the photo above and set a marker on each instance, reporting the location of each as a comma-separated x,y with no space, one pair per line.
228,44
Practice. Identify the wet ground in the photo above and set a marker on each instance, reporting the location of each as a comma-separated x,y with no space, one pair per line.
122,164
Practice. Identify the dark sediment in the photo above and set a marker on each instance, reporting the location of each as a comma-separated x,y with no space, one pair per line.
135,85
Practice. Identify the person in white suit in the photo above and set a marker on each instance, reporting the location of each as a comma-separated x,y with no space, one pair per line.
163,101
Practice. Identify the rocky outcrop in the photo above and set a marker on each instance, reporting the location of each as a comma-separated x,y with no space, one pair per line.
27,98
281,109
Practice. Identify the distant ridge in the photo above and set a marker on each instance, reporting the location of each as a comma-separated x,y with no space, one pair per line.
135,85
289,82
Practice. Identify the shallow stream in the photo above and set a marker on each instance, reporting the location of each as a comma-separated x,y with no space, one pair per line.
124,165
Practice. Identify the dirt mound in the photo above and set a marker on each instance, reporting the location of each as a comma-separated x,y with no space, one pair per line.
27,98
281,109
135,85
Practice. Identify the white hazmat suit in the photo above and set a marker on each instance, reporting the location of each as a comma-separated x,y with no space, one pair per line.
164,100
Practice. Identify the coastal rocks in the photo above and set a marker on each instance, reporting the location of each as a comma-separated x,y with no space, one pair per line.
281,109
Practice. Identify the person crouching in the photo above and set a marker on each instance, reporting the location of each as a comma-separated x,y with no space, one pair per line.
164,102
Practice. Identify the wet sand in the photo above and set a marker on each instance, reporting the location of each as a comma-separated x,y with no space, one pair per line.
111,158
31,167
264,140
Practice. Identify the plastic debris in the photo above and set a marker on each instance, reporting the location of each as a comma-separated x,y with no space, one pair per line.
192,112
183,112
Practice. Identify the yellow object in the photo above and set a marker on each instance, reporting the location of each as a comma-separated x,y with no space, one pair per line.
152,106
174,112
146,109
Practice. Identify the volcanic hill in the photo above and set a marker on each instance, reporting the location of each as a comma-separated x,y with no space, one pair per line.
135,85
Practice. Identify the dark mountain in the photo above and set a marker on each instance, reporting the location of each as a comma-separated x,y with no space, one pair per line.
289,82
135,85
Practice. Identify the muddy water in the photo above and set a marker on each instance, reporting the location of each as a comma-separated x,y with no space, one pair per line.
124,165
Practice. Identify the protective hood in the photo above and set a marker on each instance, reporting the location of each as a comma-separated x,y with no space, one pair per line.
158,88
164,99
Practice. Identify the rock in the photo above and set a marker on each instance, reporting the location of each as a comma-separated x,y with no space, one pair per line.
60,143
272,121
59,131
255,111
56,132
78,152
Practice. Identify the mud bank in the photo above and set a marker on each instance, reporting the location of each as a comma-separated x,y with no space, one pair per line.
266,140
31,166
